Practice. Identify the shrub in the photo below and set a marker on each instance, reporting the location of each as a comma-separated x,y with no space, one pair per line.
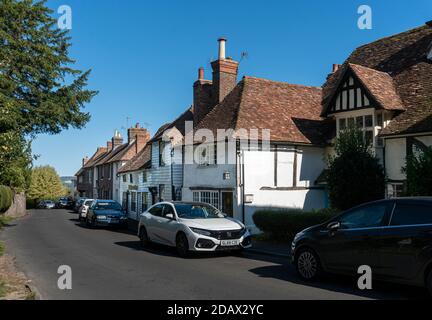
418,170
355,175
282,225
6,197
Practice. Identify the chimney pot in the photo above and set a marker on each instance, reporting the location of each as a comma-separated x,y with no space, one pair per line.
201,73
335,67
222,42
137,125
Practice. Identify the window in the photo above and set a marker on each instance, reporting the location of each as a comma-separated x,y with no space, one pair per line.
131,178
133,205
363,123
211,197
364,217
156,210
144,201
168,209
395,190
144,176
124,178
411,213
207,154
161,153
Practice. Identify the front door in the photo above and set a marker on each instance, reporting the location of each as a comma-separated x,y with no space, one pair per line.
227,203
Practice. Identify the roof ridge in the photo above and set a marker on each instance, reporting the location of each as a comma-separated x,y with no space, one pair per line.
282,82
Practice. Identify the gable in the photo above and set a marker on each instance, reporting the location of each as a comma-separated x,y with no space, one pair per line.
350,95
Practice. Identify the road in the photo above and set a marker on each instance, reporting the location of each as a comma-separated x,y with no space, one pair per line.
109,264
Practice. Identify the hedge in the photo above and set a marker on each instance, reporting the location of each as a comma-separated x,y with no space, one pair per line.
283,225
6,197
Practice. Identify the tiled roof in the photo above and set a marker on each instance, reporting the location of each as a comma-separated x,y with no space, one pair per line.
100,152
290,112
404,58
139,161
107,157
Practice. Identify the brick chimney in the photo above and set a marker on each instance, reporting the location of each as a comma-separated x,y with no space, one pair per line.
109,145
202,97
85,160
140,135
225,72
117,140
335,67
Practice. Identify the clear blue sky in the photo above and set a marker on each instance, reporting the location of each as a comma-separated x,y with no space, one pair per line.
144,55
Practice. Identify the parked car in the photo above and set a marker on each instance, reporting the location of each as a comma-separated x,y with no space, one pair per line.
106,213
78,204
64,203
82,212
192,226
393,237
46,204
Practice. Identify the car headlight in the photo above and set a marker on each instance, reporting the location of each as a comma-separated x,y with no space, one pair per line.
101,217
202,231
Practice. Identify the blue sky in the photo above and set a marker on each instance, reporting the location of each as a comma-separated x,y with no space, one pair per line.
144,55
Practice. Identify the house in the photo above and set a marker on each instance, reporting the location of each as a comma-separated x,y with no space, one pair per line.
85,175
156,173
280,173
385,89
98,175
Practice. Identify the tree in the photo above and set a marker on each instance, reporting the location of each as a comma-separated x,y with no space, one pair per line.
418,170
45,184
40,91
355,176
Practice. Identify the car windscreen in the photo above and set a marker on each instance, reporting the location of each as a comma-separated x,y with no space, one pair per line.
88,203
107,206
197,211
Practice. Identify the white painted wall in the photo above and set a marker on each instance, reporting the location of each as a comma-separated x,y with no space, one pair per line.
395,154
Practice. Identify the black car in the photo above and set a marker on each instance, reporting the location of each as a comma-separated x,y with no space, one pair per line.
393,237
64,203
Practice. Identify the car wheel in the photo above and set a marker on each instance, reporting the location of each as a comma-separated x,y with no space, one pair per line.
144,240
182,245
307,264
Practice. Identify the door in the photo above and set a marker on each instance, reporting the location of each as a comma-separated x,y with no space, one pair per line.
151,224
354,243
167,227
227,203
402,244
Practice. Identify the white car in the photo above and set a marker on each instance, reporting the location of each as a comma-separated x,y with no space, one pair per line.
192,226
82,211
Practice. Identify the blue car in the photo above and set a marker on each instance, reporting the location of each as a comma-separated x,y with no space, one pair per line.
106,213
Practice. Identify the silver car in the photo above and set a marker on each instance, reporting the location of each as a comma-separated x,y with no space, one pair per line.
192,226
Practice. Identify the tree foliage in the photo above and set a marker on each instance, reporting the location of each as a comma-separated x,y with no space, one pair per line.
45,184
40,91
418,170
355,176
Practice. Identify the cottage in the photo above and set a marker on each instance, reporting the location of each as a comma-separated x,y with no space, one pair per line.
385,89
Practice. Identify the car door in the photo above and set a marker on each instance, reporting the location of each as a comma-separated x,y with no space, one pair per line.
402,245
151,223
354,243
167,227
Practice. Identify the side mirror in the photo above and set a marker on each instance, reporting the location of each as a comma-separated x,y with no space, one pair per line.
333,226
169,216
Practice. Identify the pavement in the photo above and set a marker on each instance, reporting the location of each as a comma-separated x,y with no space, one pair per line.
109,264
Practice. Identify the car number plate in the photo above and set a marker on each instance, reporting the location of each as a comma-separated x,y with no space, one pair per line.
227,243
114,220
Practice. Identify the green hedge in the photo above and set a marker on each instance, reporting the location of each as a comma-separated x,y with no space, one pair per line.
6,197
282,225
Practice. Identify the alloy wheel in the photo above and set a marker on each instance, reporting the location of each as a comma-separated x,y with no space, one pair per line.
182,245
307,265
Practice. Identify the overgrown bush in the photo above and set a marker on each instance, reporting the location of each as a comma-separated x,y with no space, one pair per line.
6,197
355,175
282,225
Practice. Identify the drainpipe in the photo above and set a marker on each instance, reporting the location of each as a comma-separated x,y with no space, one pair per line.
240,163
172,178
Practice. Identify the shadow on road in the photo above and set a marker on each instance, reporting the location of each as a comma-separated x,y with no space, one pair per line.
342,284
